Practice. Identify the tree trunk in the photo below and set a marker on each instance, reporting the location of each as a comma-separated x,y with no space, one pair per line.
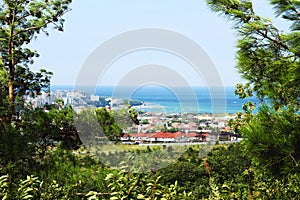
11,67
11,109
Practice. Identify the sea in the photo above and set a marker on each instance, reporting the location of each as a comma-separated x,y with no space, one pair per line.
156,98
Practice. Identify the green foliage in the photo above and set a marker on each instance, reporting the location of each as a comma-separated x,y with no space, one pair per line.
231,174
189,176
125,117
238,10
127,185
32,188
264,166
4,187
3,92
273,140
267,58
288,9
74,171
225,162
237,122
26,189
108,124
65,174
262,187
54,123
20,22
24,144
16,152
114,122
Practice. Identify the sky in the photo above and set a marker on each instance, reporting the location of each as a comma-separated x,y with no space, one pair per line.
91,23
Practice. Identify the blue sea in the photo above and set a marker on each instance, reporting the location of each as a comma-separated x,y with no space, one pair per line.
172,99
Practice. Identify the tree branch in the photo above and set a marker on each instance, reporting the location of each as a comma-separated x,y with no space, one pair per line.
273,40
38,27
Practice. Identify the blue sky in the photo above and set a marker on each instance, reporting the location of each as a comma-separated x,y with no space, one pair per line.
92,22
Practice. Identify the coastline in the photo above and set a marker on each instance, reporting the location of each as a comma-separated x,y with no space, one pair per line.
158,99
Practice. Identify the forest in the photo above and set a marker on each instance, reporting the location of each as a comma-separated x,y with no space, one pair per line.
42,156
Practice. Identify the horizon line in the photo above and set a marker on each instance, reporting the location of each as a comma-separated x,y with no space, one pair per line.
69,85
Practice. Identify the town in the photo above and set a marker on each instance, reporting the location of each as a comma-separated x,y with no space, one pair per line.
180,128
154,127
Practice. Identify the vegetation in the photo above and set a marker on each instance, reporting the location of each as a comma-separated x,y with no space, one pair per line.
108,123
21,21
269,60
41,155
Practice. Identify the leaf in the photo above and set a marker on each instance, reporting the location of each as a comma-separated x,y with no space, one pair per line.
140,196
109,176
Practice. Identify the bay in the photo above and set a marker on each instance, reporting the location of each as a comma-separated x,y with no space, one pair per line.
158,98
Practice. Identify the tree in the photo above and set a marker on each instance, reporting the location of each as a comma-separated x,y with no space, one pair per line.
273,141
108,124
52,124
269,60
20,22
114,122
3,99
